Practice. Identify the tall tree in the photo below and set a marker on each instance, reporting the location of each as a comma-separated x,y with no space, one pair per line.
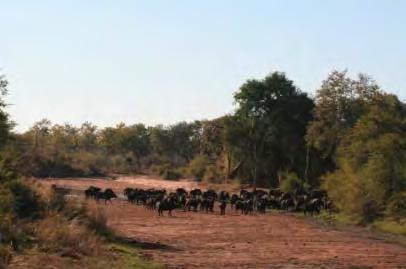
340,101
88,136
371,158
212,139
271,117
136,140
5,123
185,139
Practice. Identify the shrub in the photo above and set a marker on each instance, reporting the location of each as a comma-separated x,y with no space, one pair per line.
7,232
397,206
6,201
55,233
89,163
166,171
291,183
56,201
391,226
11,234
123,163
96,220
212,174
360,192
198,166
6,173
160,169
184,171
370,211
5,255
172,175
26,202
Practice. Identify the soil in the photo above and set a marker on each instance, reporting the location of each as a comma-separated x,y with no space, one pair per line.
274,240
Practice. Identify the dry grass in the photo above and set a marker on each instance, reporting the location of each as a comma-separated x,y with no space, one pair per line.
73,233
56,234
397,227
113,256
5,255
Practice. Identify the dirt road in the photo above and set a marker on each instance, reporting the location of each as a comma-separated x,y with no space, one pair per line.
199,240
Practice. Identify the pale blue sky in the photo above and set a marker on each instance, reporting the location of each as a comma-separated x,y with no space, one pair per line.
166,61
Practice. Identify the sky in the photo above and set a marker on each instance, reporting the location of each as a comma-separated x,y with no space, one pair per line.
167,61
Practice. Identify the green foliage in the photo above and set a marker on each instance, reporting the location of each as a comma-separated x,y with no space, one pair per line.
179,142
166,171
160,169
17,201
131,258
391,226
371,160
198,166
266,134
12,236
213,175
397,205
48,150
25,202
171,174
340,101
291,183
5,123
132,139
212,138
5,254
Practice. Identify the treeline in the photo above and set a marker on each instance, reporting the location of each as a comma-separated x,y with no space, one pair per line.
349,139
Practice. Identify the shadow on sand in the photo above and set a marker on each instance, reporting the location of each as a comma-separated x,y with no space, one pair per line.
147,245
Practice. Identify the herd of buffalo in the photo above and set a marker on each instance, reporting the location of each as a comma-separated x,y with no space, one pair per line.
246,202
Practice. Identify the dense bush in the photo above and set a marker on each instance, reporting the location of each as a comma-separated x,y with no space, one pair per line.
171,174
213,175
371,161
166,171
291,183
94,218
10,234
56,234
397,205
55,225
198,166
5,254
160,169
17,202
26,203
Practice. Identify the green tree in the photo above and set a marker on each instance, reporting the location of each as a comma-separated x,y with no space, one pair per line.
6,126
160,140
88,137
5,123
340,101
372,159
178,143
185,139
270,123
211,142
136,140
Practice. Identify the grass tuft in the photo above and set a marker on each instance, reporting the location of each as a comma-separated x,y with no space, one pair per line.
391,226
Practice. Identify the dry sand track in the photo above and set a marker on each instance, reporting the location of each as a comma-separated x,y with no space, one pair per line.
199,240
